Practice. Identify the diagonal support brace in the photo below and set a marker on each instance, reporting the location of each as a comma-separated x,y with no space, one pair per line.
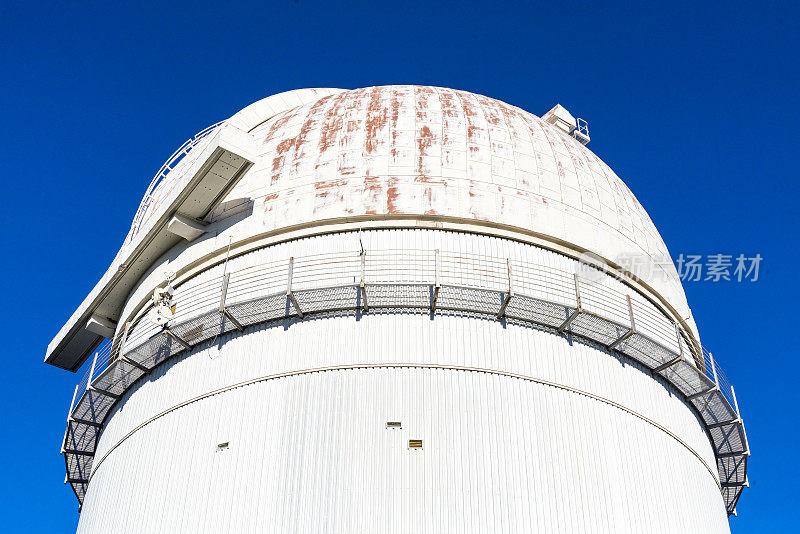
666,365
138,365
509,293
177,338
103,392
631,330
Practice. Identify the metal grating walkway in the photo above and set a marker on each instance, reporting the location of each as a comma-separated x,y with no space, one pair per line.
427,281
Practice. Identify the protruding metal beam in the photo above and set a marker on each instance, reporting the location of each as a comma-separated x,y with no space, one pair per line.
186,227
138,365
734,484
732,454
177,338
102,326
104,392
667,365
86,422
233,320
701,393
724,423
78,453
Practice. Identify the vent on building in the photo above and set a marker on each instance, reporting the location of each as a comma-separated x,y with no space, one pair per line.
564,121
415,444
394,424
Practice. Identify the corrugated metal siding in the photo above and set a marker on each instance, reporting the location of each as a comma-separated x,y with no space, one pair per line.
310,453
501,454
405,338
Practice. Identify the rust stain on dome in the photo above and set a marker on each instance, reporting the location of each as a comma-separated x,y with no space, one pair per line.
429,150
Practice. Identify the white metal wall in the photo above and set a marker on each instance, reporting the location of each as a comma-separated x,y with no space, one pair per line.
309,452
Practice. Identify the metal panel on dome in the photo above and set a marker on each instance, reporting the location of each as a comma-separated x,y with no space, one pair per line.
191,190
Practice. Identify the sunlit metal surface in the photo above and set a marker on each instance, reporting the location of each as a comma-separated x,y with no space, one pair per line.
422,237
427,281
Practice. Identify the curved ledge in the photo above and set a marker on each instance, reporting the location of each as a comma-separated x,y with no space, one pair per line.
229,244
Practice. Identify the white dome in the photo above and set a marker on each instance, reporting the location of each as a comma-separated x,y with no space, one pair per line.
400,151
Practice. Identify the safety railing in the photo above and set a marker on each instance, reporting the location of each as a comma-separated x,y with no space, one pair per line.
162,174
429,281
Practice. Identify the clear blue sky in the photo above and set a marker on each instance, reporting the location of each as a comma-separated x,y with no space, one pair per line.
694,106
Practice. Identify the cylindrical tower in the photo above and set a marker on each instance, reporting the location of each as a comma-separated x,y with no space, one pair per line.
394,308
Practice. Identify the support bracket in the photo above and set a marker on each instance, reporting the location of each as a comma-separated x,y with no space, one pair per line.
732,454
177,338
79,453
138,365
436,285
509,293
289,292
103,392
631,330
578,308
666,365
724,423
701,393
85,422
222,309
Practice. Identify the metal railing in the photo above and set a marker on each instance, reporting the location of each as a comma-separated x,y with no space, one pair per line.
162,174
429,281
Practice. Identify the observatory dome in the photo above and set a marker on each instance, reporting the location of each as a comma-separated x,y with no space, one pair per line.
401,152
353,309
